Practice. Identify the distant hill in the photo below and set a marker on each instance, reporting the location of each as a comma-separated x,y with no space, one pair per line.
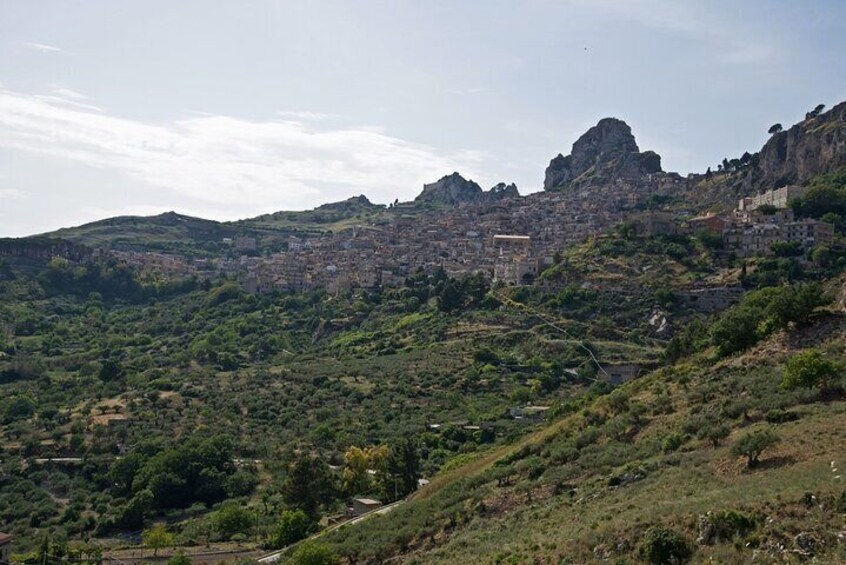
330,217
353,205
164,232
178,233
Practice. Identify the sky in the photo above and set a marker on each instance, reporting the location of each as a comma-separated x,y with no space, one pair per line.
231,109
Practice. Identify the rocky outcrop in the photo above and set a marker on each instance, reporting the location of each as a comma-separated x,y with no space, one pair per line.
355,204
454,189
450,190
605,152
501,191
814,146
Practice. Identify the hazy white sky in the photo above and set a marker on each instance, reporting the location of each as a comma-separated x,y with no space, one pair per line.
230,109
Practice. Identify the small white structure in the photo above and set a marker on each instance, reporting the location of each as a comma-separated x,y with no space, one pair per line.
529,414
364,505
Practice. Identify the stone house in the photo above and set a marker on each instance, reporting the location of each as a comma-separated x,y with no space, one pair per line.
529,414
364,505
621,373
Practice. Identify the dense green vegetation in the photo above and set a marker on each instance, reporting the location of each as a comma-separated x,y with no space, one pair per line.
825,199
764,311
186,413
579,488
128,401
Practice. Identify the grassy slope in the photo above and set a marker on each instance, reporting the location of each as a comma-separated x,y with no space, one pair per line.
515,504
150,230
176,233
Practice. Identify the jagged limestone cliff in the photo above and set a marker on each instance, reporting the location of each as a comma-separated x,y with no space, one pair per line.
604,153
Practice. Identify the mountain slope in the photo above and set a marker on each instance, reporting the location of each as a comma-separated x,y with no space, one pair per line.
165,232
590,486
812,147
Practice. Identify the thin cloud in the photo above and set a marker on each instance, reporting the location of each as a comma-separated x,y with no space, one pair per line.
748,54
69,93
43,47
226,162
306,116
60,100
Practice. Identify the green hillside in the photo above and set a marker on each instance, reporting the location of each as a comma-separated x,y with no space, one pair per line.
98,366
185,235
190,412
650,455
168,232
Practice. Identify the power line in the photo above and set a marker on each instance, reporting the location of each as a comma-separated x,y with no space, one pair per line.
551,324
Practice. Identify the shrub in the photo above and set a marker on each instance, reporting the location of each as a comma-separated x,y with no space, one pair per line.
157,537
714,433
313,554
233,519
809,369
663,545
672,442
223,293
710,240
179,559
293,526
777,416
726,524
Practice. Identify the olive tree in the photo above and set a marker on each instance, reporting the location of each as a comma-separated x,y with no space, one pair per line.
809,369
753,444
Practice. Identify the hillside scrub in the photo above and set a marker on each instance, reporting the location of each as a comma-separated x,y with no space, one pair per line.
763,312
824,198
194,404
577,490
809,369
663,546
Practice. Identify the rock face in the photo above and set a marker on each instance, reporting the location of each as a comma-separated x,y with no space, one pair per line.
811,147
502,191
451,189
454,189
353,204
605,152
814,146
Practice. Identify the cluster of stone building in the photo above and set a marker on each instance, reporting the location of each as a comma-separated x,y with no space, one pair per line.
754,228
512,240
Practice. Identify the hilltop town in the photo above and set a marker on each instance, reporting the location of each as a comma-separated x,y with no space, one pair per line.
456,226
620,330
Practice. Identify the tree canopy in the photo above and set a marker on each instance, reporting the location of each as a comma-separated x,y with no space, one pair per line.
809,369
